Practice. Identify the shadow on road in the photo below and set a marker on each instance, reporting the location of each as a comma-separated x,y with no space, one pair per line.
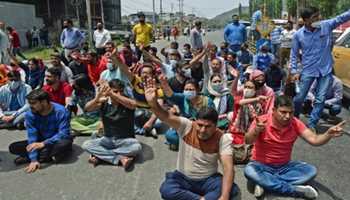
325,189
147,154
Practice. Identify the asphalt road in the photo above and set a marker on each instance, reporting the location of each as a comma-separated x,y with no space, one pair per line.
75,179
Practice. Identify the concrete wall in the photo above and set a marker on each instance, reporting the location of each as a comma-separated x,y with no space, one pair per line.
21,17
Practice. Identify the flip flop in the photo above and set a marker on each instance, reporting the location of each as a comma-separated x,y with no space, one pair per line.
94,161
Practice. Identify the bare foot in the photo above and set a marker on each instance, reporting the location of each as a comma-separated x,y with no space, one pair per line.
94,160
126,162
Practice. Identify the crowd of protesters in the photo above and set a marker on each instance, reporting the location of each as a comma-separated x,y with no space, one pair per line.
213,103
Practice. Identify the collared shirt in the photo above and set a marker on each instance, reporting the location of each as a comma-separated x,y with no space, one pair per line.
143,34
6,95
286,38
196,39
101,38
235,34
95,70
59,96
276,34
71,38
275,144
316,47
48,129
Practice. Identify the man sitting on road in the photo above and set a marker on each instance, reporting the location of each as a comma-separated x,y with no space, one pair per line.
333,101
118,145
48,132
273,135
13,101
202,144
59,92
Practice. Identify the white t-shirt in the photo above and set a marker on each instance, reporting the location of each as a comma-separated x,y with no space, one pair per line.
286,38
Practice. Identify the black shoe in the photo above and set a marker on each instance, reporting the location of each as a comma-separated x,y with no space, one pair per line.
21,160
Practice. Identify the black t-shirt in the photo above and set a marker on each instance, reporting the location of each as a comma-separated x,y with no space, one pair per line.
176,85
197,72
118,121
77,68
274,77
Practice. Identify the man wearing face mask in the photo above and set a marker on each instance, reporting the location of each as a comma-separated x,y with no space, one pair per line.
177,82
263,58
275,76
13,101
202,145
314,39
143,34
101,37
71,38
235,34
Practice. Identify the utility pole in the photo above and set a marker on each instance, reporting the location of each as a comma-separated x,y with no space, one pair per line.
88,12
76,4
160,9
102,12
154,13
48,9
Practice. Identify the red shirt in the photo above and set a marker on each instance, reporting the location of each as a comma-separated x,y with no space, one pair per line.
59,96
15,39
94,71
275,144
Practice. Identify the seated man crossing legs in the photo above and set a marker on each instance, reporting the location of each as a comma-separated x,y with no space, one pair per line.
118,145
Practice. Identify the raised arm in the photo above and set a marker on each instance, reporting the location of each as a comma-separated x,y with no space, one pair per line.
152,99
257,127
338,20
100,98
165,86
123,67
123,100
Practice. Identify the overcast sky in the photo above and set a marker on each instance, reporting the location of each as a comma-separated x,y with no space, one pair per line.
203,8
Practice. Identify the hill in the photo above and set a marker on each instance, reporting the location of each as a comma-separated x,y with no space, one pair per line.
221,20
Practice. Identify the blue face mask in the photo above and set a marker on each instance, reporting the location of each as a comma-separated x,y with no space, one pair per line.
173,63
190,94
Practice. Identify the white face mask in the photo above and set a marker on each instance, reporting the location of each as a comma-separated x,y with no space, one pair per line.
190,94
248,93
316,24
186,72
264,54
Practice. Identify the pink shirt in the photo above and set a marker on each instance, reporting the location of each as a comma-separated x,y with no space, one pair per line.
275,144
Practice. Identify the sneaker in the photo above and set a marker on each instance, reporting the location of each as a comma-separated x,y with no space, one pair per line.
258,191
308,191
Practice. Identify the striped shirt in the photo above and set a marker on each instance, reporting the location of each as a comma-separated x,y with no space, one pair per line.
198,159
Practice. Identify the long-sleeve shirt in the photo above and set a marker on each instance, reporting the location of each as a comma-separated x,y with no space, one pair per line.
235,34
71,38
316,47
48,129
6,95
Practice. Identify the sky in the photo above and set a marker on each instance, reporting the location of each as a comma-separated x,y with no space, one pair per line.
202,8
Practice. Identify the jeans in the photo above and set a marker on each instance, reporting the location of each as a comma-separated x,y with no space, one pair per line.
16,120
110,149
334,109
59,149
280,179
177,186
322,85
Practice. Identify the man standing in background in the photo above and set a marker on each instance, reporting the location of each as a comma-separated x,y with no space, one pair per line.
235,34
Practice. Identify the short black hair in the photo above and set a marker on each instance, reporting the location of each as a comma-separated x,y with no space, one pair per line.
69,21
306,13
193,82
9,28
55,71
116,83
34,61
283,101
198,23
235,15
140,14
187,45
208,113
14,74
176,45
38,95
